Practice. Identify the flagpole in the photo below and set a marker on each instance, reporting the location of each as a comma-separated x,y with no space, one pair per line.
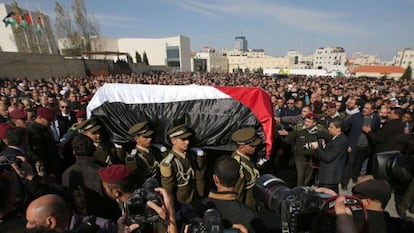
24,31
43,25
31,18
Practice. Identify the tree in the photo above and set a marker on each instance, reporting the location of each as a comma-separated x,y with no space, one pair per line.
145,58
138,57
408,73
76,38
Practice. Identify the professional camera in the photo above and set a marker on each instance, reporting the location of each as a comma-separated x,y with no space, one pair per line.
88,226
308,145
6,161
393,166
136,205
210,223
299,208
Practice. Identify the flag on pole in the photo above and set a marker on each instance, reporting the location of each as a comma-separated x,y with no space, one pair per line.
29,18
40,24
18,17
9,19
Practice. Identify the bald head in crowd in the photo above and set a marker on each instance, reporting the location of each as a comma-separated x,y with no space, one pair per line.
48,211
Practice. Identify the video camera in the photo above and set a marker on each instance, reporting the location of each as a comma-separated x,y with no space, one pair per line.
210,223
297,207
136,205
393,166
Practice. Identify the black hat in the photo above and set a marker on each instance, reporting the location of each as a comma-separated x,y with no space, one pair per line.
246,136
379,190
180,131
141,128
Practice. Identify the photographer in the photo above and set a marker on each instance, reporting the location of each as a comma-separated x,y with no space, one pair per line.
375,195
301,137
225,176
120,184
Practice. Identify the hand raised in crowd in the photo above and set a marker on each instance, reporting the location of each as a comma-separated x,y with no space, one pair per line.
166,211
23,168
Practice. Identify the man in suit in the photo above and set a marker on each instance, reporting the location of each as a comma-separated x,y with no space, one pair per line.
332,156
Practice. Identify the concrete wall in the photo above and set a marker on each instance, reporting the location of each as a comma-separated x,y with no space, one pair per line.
37,66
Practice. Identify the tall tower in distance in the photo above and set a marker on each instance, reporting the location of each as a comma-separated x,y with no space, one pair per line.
241,43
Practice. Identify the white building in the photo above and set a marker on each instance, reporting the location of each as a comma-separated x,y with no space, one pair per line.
209,60
365,59
174,52
404,58
329,56
36,37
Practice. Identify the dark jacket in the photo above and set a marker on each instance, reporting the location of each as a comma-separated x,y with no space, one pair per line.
386,138
105,225
43,145
332,160
87,191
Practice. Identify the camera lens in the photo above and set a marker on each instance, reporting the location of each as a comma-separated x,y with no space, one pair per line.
271,191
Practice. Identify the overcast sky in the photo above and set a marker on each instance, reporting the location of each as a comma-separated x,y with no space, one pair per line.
380,27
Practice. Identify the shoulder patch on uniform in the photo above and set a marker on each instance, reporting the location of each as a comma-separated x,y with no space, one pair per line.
165,170
165,166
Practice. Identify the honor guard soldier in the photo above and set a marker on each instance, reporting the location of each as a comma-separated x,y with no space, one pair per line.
141,159
247,140
182,173
92,129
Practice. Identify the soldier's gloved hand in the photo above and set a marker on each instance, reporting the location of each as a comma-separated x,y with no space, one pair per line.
262,161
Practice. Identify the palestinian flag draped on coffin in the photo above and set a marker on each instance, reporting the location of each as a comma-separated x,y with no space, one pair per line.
212,113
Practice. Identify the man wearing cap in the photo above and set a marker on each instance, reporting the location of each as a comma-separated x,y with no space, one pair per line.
91,128
375,195
247,140
330,114
141,159
41,141
182,173
18,118
300,138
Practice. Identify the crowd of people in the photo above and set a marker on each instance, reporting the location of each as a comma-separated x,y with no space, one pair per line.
59,175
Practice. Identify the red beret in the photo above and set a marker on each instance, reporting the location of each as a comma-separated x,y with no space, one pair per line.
80,114
18,114
331,105
86,98
311,116
3,129
115,173
46,113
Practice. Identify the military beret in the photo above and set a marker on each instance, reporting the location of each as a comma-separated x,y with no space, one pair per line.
80,114
18,114
141,128
246,136
114,174
3,129
312,116
89,125
331,105
180,131
46,113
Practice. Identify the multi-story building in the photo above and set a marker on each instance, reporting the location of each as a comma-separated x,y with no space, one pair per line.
325,57
404,58
241,43
26,31
173,52
209,60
